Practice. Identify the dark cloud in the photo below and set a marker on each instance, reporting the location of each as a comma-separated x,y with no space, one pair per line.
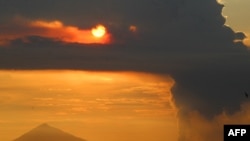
186,39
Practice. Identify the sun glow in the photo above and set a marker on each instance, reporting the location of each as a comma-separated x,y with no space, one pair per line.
98,31
55,30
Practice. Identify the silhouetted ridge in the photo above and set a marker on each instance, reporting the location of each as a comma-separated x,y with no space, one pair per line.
45,132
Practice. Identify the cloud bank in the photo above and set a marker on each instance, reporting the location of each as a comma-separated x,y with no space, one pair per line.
186,39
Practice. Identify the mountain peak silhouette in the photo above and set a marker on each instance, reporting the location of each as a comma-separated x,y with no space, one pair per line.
45,132
44,125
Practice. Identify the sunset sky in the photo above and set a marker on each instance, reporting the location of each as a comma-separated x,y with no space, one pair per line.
237,16
92,105
158,70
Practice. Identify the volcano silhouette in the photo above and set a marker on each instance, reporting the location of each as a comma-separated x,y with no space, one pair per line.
45,132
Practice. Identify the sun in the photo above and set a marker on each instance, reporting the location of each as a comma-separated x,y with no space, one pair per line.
98,31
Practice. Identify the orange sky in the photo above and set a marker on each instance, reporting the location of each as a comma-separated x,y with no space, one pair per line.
238,19
105,106
101,106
